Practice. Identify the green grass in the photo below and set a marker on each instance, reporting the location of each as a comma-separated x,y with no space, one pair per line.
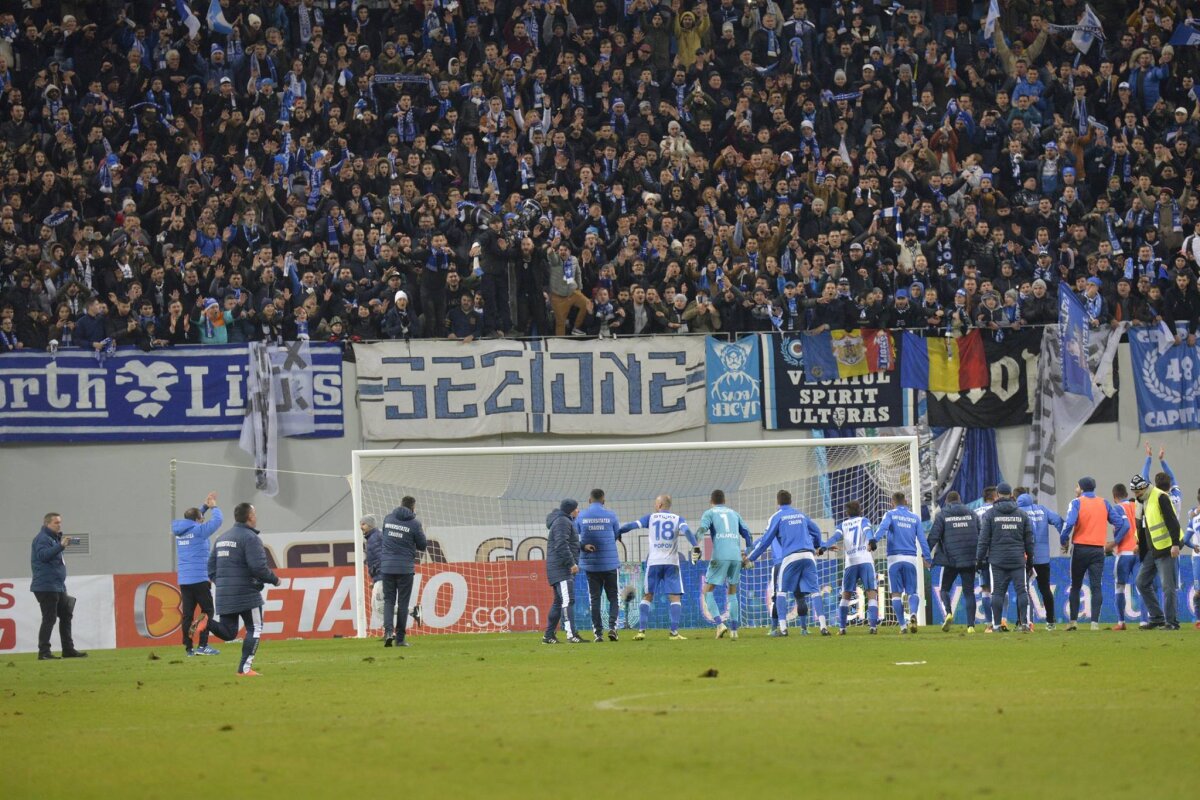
1049,714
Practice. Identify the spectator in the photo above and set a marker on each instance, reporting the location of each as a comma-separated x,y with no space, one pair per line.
49,586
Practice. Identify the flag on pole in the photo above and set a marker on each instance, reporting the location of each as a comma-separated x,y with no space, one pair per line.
1073,339
190,20
993,16
216,19
1187,34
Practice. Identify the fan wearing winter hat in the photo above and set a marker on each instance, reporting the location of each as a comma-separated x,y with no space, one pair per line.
1086,531
1158,537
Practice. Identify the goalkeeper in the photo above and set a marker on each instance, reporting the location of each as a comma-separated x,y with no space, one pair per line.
725,566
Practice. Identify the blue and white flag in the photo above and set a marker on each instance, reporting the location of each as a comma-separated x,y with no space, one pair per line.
1084,32
734,379
894,213
190,20
993,16
216,19
1073,339
1166,378
1187,34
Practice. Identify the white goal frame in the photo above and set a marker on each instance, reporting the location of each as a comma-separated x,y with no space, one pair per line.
356,456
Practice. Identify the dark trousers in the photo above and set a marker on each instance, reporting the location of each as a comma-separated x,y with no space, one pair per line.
225,628
433,304
562,609
1002,577
1042,571
55,606
966,577
606,581
397,589
531,311
1086,560
494,288
190,596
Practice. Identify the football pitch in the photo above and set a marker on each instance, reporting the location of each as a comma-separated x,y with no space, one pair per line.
1085,714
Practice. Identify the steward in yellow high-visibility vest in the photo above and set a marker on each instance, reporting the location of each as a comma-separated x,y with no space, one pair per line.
1158,544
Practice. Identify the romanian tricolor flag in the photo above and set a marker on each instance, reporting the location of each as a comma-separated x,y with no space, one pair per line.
845,354
943,365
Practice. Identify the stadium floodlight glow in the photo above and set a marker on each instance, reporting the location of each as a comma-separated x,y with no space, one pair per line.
484,508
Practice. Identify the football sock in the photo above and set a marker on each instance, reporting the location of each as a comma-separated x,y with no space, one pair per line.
676,616
1120,603
734,611
643,615
843,613
873,613
710,603
898,610
781,604
914,603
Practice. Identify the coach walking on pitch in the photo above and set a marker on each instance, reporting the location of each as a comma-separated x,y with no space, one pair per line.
403,537
954,540
1006,549
49,586
238,566
191,570
598,531
562,564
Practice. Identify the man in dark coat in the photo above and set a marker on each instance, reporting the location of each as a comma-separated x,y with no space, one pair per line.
954,538
238,566
49,586
562,563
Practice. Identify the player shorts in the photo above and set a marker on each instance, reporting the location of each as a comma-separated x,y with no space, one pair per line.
1125,568
860,573
798,572
902,575
723,572
664,579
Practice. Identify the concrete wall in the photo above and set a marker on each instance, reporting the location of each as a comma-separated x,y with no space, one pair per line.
120,494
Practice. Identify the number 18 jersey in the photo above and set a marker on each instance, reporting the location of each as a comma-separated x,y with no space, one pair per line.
666,529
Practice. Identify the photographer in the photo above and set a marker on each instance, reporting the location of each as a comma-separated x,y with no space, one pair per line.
492,250
702,316
49,586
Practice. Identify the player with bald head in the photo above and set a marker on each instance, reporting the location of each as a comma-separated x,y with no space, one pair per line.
662,572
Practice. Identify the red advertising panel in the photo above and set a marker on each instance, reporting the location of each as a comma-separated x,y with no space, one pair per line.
312,603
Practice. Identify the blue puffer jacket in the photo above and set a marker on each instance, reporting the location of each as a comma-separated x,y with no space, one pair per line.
562,547
1043,519
598,526
191,546
46,562
238,566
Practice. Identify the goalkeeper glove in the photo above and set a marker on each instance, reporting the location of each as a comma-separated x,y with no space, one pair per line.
871,545
695,554
820,551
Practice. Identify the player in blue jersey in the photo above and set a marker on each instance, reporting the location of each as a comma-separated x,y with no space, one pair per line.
662,564
985,577
1191,539
725,565
1165,479
1043,520
905,533
800,540
855,533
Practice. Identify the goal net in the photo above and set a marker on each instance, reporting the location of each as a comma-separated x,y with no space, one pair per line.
484,512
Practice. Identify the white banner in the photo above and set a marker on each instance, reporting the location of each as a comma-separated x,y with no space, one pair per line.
636,386
92,627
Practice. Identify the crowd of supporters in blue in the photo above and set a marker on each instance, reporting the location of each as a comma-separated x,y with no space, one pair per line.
389,169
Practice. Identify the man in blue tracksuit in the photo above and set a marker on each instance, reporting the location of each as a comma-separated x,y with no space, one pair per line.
403,538
904,532
1043,519
238,566
191,570
599,530
1006,548
799,539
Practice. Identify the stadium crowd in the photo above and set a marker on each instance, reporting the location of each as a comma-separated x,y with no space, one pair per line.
466,168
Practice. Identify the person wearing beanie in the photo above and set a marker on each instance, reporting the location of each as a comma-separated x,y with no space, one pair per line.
1158,535
562,564
1006,550
1086,532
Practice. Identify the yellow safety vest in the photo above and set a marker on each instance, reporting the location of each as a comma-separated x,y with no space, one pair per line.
1156,526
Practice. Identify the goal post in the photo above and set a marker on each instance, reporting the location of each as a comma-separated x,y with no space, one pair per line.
484,512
